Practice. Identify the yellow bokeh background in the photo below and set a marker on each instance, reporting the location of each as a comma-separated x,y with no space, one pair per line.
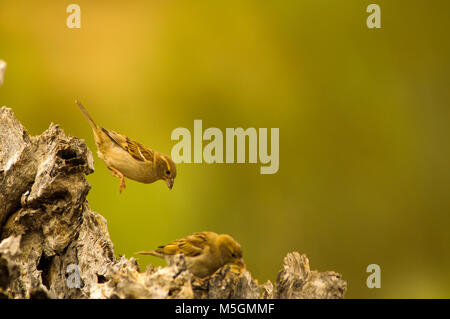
363,115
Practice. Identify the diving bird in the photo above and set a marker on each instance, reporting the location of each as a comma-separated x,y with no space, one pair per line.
130,159
205,252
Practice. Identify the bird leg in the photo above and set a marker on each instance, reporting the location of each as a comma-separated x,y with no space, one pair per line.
118,174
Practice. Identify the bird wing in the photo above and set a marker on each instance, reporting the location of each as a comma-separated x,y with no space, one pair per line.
191,246
135,149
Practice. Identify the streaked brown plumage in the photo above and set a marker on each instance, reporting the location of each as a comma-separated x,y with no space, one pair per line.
205,252
128,158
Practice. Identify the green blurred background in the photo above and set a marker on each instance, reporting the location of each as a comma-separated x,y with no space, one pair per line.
363,116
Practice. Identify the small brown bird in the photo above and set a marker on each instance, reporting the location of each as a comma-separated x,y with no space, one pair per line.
205,252
128,158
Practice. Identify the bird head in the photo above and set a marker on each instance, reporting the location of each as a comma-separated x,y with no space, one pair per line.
167,170
230,250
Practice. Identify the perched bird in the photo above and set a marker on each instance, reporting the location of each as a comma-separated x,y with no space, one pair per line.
205,252
128,158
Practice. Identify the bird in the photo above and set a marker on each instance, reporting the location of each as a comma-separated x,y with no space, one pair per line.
128,158
205,252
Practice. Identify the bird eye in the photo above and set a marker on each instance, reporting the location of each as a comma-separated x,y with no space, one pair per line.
167,172
233,255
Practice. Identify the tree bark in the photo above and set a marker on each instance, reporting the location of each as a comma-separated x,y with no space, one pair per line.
53,246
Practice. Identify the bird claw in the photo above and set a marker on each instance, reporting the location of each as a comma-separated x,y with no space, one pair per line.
122,184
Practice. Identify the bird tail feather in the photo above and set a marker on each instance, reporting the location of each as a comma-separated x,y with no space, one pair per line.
149,252
88,117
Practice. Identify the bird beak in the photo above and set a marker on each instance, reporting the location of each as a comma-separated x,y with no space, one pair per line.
240,263
170,182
